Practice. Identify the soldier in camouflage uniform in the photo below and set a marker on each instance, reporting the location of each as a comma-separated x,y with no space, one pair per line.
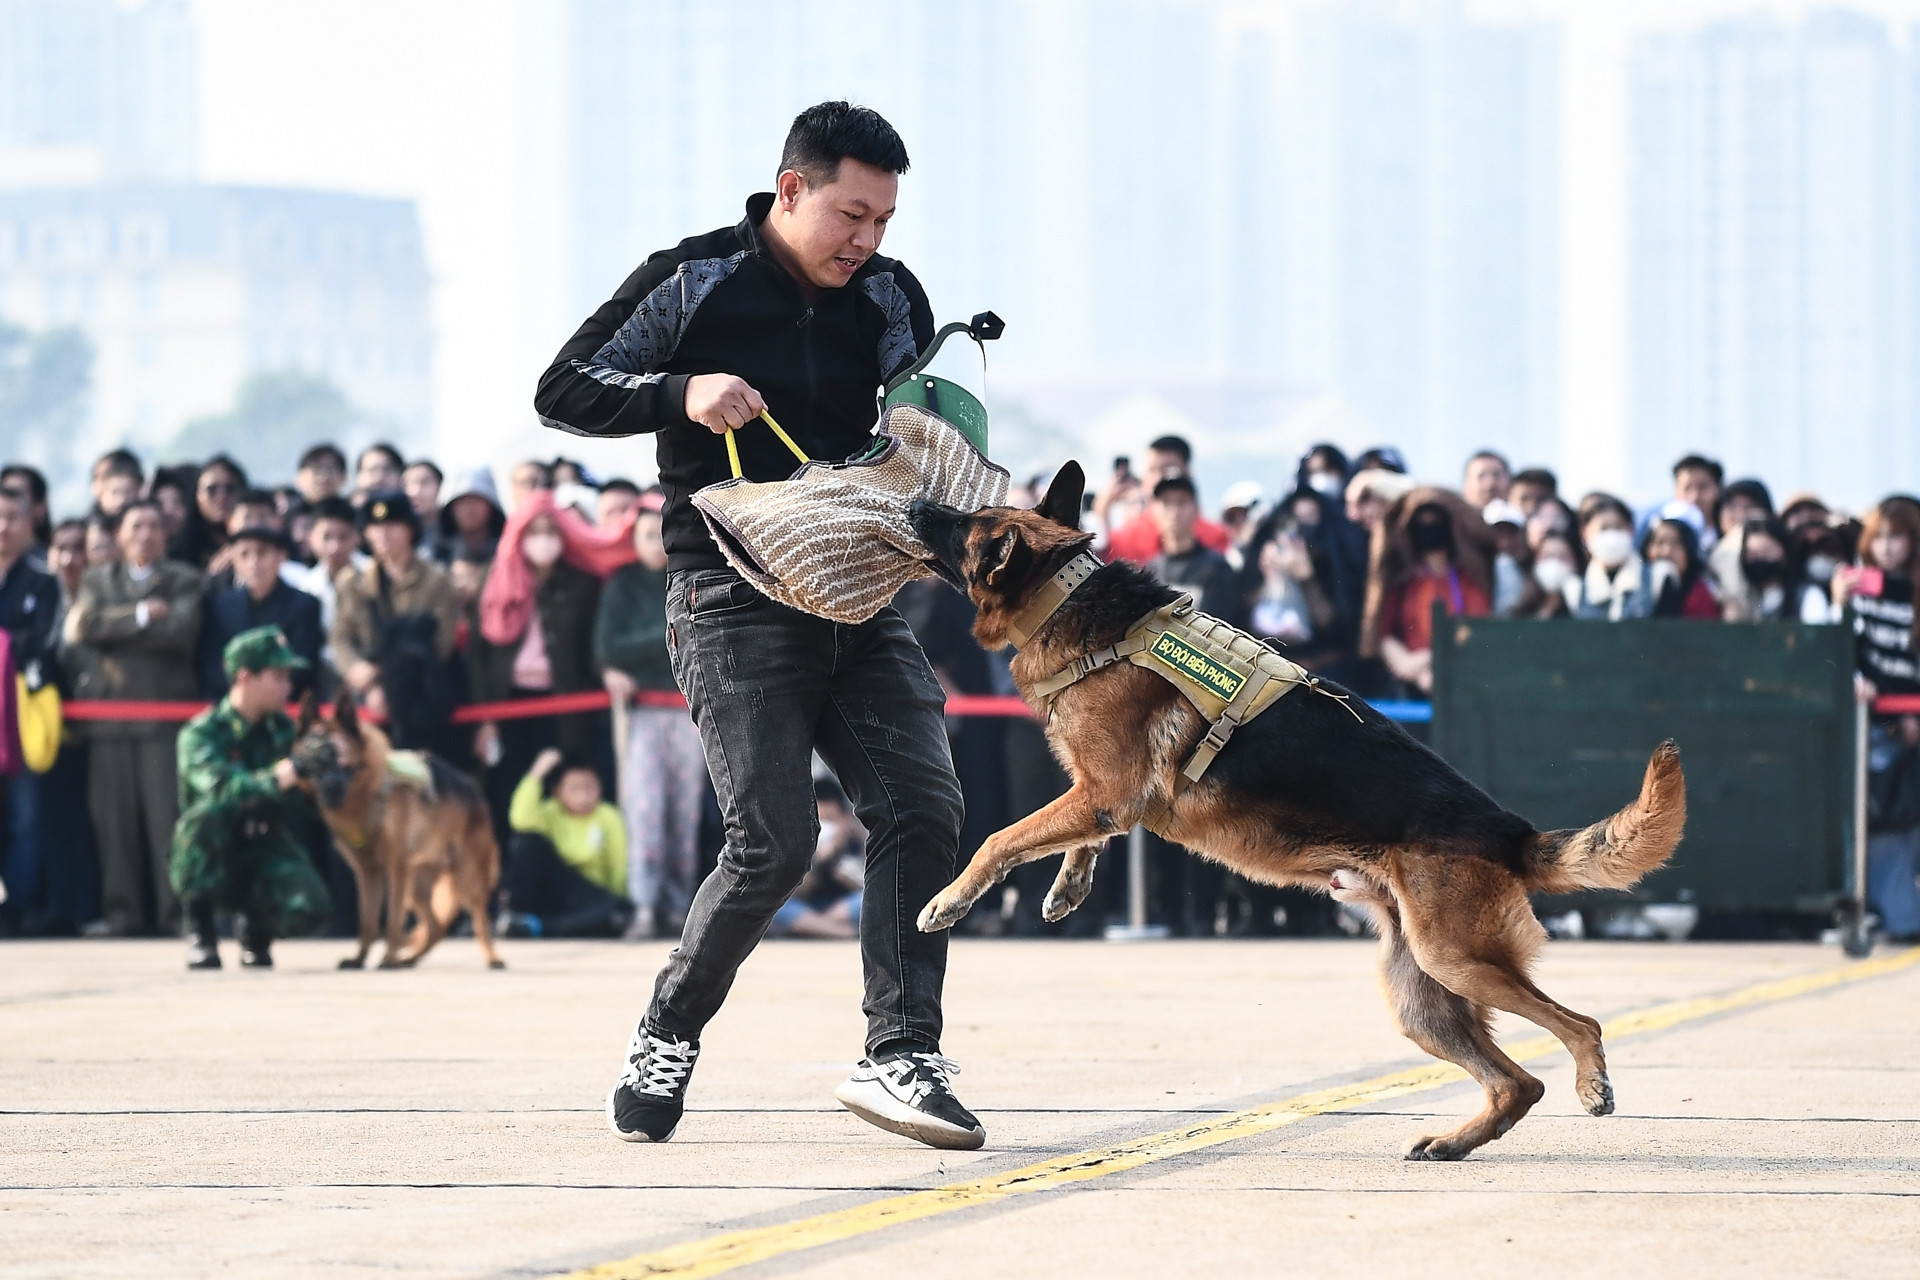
232,848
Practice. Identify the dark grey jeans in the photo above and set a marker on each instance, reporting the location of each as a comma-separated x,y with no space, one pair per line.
768,686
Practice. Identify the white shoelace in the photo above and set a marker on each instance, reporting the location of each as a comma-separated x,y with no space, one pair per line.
937,1065
666,1064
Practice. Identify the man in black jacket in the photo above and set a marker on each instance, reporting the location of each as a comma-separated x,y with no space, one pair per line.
258,598
792,311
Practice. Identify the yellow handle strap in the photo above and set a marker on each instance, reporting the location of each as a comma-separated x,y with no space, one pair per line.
733,448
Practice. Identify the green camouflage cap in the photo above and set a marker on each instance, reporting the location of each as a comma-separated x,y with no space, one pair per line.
258,650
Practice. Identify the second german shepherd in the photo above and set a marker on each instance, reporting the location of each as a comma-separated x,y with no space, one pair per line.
419,846
1323,792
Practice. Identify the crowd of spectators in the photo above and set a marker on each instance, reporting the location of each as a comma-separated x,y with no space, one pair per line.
416,596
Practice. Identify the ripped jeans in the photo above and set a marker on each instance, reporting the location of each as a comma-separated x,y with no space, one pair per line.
768,686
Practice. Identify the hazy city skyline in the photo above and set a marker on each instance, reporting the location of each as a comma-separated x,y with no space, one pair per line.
490,125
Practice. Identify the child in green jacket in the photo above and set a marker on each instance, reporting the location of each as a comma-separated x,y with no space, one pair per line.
566,874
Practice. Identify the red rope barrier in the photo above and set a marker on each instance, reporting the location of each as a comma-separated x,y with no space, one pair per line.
556,704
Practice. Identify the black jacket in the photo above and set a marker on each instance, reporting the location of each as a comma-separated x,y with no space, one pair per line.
29,604
721,303
234,610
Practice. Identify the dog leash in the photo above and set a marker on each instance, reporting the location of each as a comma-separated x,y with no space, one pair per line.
733,447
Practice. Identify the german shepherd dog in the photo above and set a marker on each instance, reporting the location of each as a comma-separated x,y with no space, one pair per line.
420,852
1323,792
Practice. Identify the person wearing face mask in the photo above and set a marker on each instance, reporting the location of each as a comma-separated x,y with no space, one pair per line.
1616,584
535,635
1777,589
1431,548
1556,562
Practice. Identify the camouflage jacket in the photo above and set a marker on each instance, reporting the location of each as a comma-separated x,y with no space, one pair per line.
228,763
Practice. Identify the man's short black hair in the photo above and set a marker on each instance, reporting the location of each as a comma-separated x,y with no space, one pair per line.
322,453
1178,483
393,454
1496,455
120,462
824,135
258,498
30,476
335,508
1173,444
1542,477
1694,462
619,485
439,476
227,464
118,518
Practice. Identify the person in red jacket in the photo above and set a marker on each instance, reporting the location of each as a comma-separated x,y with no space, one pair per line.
1138,540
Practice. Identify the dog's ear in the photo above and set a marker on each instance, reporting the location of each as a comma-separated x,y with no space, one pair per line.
1064,496
345,714
309,711
1011,557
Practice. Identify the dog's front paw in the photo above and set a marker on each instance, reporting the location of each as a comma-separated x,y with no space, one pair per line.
946,909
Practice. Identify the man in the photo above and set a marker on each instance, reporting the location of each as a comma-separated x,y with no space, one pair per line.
29,603
31,487
1698,480
792,311
1487,478
390,614
322,473
1139,539
233,849
258,598
116,480
377,471
421,481
331,540
525,480
1531,488
617,500
132,632
1183,563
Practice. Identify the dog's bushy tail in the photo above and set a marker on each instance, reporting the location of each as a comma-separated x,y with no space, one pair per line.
1615,852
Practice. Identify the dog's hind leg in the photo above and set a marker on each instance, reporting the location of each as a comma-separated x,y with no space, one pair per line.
1452,1028
397,902
433,908
476,865
1470,926
1072,885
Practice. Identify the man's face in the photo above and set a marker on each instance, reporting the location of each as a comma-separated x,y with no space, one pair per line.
251,515
1162,463
101,546
256,566
834,228
216,492
391,543
16,526
1175,513
1486,479
525,480
255,693
613,504
331,542
320,478
1697,485
423,489
1527,496
67,556
116,491
376,472
141,536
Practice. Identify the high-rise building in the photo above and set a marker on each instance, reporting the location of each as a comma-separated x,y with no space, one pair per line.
1772,289
1147,190
184,288
97,90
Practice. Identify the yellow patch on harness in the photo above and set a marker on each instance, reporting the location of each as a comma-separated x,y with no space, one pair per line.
1184,660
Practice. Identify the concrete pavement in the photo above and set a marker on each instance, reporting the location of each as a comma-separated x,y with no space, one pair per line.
446,1122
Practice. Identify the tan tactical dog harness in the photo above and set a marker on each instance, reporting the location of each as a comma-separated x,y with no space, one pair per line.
1228,675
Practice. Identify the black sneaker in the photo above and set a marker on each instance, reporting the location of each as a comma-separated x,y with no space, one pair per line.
646,1103
203,953
256,955
910,1094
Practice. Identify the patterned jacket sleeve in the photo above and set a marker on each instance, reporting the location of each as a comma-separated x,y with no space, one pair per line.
600,385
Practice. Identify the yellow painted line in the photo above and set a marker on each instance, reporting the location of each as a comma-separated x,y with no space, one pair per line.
718,1254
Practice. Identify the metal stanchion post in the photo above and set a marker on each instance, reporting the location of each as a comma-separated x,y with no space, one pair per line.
1856,939
1136,929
